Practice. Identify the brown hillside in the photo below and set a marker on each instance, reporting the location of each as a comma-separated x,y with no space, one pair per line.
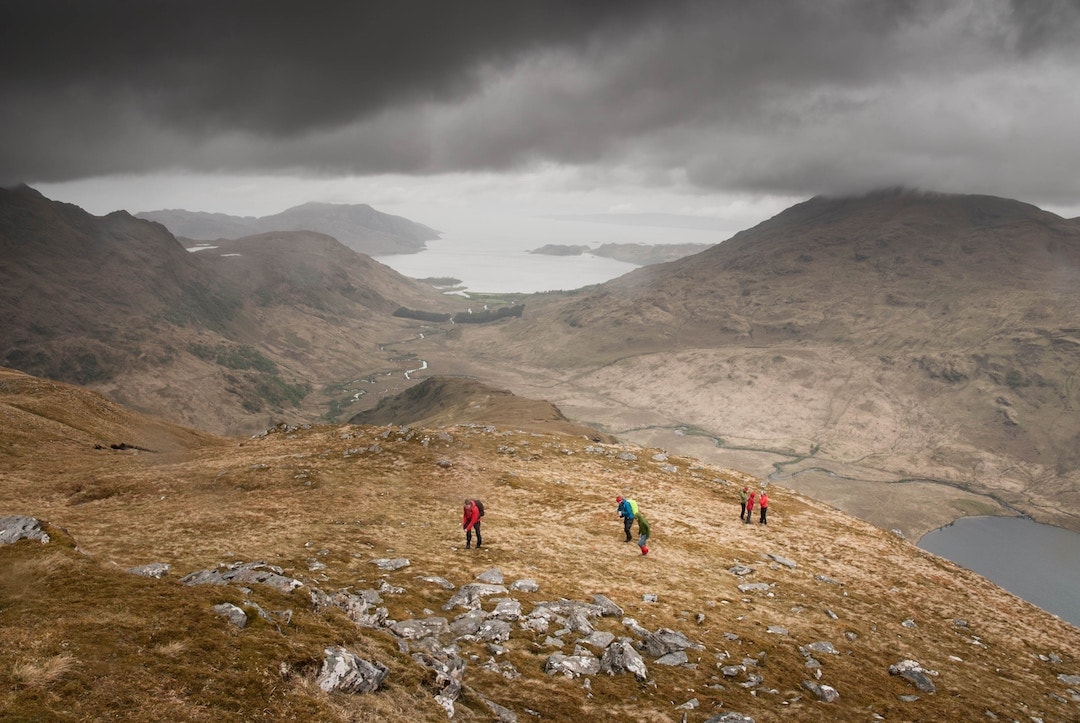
826,599
229,339
445,401
899,337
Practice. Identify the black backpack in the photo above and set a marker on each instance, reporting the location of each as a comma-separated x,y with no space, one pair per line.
480,506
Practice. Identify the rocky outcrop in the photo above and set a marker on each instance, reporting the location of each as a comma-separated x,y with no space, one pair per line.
19,527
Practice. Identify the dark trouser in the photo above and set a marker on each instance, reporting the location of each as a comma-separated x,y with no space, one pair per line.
468,535
742,511
749,515
763,520
627,523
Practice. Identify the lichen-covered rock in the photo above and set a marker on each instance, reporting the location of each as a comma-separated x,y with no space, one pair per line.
915,674
244,573
156,570
824,693
232,613
572,665
665,641
417,629
21,527
395,563
608,609
345,671
620,657
493,576
469,596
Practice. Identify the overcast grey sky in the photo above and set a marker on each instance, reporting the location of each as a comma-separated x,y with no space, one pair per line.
681,106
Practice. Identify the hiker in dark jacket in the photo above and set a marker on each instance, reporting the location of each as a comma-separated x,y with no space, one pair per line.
626,512
470,520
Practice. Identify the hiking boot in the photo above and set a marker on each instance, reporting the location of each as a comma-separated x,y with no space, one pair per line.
468,545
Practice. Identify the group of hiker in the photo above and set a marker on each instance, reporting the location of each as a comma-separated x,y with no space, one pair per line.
747,512
628,510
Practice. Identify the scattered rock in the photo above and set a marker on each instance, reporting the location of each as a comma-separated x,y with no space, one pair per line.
493,576
823,646
824,693
608,609
20,527
525,585
754,586
572,665
914,673
344,671
233,614
469,595
782,560
494,631
508,609
156,570
391,564
418,629
665,641
598,639
244,574
620,657
440,581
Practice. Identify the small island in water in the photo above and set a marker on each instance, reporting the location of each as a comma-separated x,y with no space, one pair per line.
631,253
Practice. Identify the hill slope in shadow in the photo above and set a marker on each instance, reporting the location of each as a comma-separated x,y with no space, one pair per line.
228,339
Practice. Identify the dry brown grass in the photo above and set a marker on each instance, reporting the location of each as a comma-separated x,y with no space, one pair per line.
42,673
154,650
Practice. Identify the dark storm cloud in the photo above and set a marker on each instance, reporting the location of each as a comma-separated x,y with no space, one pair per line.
767,95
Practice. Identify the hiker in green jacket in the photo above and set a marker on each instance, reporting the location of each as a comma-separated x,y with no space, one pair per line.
643,533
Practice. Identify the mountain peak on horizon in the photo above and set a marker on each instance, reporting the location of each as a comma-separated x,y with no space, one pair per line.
358,226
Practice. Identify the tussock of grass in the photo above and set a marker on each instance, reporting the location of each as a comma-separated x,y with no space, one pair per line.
42,673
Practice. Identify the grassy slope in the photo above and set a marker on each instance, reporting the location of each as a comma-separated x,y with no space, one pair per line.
86,640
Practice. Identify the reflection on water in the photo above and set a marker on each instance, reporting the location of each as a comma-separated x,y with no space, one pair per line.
1037,562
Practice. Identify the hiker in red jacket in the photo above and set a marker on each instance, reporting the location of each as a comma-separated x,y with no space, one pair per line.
750,506
763,503
470,520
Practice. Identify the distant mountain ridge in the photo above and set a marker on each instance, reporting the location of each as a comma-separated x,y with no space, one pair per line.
357,226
